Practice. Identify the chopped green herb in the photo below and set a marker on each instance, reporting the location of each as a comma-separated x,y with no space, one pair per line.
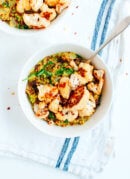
48,63
30,76
32,98
60,71
24,26
78,56
66,121
51,115
44,72
63,70
5,4
69,71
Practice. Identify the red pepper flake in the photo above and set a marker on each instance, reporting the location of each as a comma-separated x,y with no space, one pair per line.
46,15
75,33
8,108
77,7
62,85
82,72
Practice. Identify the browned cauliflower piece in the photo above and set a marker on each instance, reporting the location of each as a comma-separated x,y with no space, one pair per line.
86,71
62,4
48,13
96,88
67,114
40,110
23,5
47,93
51,3
35,21
54,104
64,87
98,74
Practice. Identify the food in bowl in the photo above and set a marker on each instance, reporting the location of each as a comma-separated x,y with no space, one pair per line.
64,90
31,14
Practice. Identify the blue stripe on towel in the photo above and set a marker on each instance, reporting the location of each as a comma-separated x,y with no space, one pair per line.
74,146
63,151
76,140
93,44
98,24
106,24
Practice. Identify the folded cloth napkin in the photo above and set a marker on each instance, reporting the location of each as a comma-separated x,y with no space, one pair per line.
87,23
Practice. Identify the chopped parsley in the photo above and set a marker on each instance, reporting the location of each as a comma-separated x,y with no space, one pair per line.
24,26
64,71
51,115
5,4
44,73
66,121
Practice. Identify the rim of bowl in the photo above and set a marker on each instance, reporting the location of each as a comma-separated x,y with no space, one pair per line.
88,124
24,32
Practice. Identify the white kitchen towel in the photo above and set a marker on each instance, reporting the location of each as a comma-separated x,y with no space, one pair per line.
87,23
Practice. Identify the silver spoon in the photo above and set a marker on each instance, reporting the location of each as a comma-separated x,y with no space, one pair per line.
116,31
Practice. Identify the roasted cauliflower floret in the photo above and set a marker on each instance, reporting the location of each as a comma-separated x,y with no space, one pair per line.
41,110
86,71
96,88
51,3
77,80
62,4
23,5
36,4
91,97
86,103
98,74
48,13
35,21
73,65
54,105
67,114
82,101
64,87
47,93
82,76
88,109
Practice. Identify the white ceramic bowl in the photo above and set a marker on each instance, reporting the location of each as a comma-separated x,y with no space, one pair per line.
70,131
15,31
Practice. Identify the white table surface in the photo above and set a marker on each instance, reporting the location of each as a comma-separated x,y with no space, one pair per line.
118,167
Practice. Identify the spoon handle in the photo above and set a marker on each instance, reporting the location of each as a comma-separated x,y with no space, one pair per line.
116,31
